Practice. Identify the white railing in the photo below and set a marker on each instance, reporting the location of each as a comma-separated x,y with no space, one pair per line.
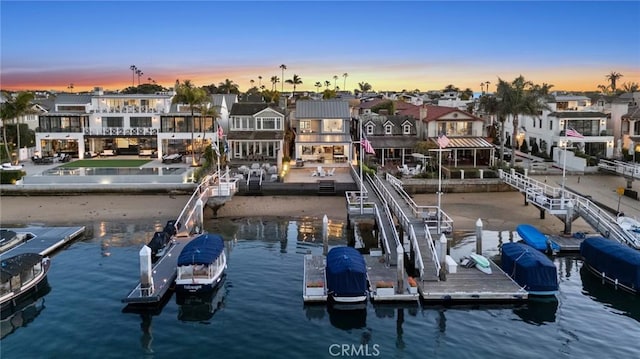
187,220
121,131
432,247
620,167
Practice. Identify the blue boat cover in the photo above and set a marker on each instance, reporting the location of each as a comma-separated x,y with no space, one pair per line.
346,272
204,249
536,239
529,267
616,260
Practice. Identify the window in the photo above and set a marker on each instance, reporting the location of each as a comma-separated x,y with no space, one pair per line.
140,122
455,128
242,123
332,126
112,121
388,129
305,126
406,129
268,123
369,129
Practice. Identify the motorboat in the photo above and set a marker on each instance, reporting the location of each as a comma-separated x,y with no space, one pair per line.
201,264
346,274
536,239
612,261
21,275
530,268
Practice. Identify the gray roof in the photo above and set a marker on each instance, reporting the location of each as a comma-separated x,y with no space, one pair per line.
633,114
397,121
230,99
251,108
322,109
570,97
72,99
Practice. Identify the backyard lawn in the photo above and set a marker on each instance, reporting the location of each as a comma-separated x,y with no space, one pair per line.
105,163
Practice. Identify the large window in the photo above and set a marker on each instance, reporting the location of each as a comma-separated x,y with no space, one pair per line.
455,128
112,121
140,122
242,123
332,126
60,124
268,123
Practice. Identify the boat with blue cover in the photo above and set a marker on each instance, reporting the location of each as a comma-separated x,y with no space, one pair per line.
613,261
346,274
530,268
536,239
201,264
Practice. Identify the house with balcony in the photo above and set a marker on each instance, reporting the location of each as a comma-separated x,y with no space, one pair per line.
256,132
547,131
83,125
393,137
322,131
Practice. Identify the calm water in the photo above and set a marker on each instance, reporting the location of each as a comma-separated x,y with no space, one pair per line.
259,313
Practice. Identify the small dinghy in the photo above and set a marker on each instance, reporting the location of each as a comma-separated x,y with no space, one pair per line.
482,263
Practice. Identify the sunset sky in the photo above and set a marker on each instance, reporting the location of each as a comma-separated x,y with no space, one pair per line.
392,45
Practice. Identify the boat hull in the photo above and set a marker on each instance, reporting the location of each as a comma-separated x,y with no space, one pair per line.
536,239
10,298
613,261
202,285
530,268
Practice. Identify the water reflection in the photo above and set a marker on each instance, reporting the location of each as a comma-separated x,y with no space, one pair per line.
25,310
538,311
348,317
627,303
201,307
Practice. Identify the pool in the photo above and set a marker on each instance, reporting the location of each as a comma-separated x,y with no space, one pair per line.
120,171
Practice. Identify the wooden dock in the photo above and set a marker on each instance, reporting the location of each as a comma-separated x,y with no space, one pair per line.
471,285
164,274
43,240
314,287
383,274
568,244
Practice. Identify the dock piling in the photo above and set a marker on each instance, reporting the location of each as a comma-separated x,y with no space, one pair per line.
146,279
479,236
400,269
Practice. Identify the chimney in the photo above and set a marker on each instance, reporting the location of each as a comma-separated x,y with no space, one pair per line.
423,112
98,91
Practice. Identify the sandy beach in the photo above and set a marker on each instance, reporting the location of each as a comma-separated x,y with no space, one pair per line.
498,211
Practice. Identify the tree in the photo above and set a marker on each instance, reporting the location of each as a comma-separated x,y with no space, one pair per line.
295,81
318,85
345,75
283,67
364,87
15,108
259,81
133,69
228,87
520,97
335,81
613,77
328,94
187,93
451,88
467,94
327,83
630,87
274,81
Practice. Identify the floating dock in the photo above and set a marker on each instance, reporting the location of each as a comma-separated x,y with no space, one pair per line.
42,240
163,274
471,285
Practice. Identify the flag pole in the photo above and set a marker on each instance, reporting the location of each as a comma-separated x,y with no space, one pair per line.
360,150
564,162
218,161
439,184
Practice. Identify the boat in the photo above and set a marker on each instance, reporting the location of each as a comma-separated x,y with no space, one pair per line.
631,226
201,264
481,263
200,307
21,275
530,268
536,239
613,261
346,275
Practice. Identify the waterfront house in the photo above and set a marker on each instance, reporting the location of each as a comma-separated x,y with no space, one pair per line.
322,130
256,131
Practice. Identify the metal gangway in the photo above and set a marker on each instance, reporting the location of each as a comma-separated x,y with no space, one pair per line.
567,205
628,170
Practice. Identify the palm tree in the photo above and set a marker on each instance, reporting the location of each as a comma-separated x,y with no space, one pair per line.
274,81
489,105
327,83
194,97
451,88
228,86
345,75
15,108
630,87
207,110
259,81
482,87
487,83
133,69
139,73
252,82
604,89
520,97
296,80
467,94
283,67
335,80
613,77
318,85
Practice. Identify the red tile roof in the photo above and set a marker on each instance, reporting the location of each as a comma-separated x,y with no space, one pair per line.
434,112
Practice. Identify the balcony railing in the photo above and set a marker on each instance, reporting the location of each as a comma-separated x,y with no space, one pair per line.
121,131
128,109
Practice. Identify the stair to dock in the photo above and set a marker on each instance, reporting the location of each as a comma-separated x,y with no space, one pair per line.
327,188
